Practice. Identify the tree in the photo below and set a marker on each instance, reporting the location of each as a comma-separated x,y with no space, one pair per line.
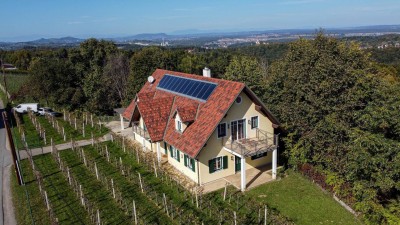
143,63
248,70
53,80
340,112
94,54
116,72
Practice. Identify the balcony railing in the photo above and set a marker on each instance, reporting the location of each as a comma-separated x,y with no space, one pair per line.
263,142
137,129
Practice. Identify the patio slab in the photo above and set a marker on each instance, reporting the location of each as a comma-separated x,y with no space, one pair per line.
254,178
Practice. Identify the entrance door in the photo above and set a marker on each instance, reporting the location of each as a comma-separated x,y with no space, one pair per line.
238,165
238,129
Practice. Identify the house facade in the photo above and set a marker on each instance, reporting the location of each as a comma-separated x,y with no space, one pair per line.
207,128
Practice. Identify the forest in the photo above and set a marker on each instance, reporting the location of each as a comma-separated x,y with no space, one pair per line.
339,105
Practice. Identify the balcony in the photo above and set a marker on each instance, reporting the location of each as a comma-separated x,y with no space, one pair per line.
138,130
263,142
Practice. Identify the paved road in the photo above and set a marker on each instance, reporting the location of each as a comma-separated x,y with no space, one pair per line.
7,212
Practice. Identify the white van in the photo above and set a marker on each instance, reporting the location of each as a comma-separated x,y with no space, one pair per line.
24,107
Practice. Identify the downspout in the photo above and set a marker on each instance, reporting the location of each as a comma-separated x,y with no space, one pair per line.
198,173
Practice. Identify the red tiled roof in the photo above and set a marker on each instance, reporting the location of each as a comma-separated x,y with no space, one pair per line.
208,113
127,114
155,113
157,108
187,114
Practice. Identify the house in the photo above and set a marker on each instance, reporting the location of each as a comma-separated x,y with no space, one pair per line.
208,128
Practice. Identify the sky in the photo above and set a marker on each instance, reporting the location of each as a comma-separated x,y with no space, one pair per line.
23,20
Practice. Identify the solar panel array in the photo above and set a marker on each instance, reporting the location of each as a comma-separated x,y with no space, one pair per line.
188,87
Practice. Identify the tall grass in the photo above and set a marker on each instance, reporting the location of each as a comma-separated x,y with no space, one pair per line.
14,81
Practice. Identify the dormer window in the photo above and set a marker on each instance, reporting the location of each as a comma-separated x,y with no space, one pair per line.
179,126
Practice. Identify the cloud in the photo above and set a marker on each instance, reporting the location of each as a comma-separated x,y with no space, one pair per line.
182,10
105,20
194,9
74,22
88,19
300,2
377,8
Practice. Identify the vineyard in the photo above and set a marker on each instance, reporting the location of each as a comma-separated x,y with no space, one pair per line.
114,182
39,131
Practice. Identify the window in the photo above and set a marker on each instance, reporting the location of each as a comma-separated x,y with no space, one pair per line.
254,122
174,153
221,130
217,164
259,155
179,125
189,163
238,100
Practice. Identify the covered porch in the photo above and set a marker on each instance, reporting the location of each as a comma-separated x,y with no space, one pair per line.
140,131
254,178
252,147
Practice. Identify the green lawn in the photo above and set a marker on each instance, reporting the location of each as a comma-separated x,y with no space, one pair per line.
302,201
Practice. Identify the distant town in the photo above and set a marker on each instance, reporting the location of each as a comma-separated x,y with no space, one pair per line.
220,40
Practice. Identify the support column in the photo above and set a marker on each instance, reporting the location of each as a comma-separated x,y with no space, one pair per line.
122,121
243,173
144,144
274,162
158,152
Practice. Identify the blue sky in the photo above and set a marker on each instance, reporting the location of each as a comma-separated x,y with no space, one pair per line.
30,19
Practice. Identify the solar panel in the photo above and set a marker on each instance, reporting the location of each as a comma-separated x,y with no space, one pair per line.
187,87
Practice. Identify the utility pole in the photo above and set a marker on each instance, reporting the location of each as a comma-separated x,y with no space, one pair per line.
12,146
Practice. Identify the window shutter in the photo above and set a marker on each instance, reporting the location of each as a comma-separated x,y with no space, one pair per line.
193,165
178,155
165,148
185,159
225,162
170,151
211,165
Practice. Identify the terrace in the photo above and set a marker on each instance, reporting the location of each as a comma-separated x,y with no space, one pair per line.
247,147
140,131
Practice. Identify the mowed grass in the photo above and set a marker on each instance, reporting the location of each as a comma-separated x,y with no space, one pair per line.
28,203
29,207
302,201
66,204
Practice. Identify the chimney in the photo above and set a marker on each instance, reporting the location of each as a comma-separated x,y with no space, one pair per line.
206,72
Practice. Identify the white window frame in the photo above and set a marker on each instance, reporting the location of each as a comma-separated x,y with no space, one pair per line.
179,125
221,166
189,162
251,125
175,153
218,136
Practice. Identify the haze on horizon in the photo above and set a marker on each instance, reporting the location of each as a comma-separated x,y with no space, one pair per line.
27,20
